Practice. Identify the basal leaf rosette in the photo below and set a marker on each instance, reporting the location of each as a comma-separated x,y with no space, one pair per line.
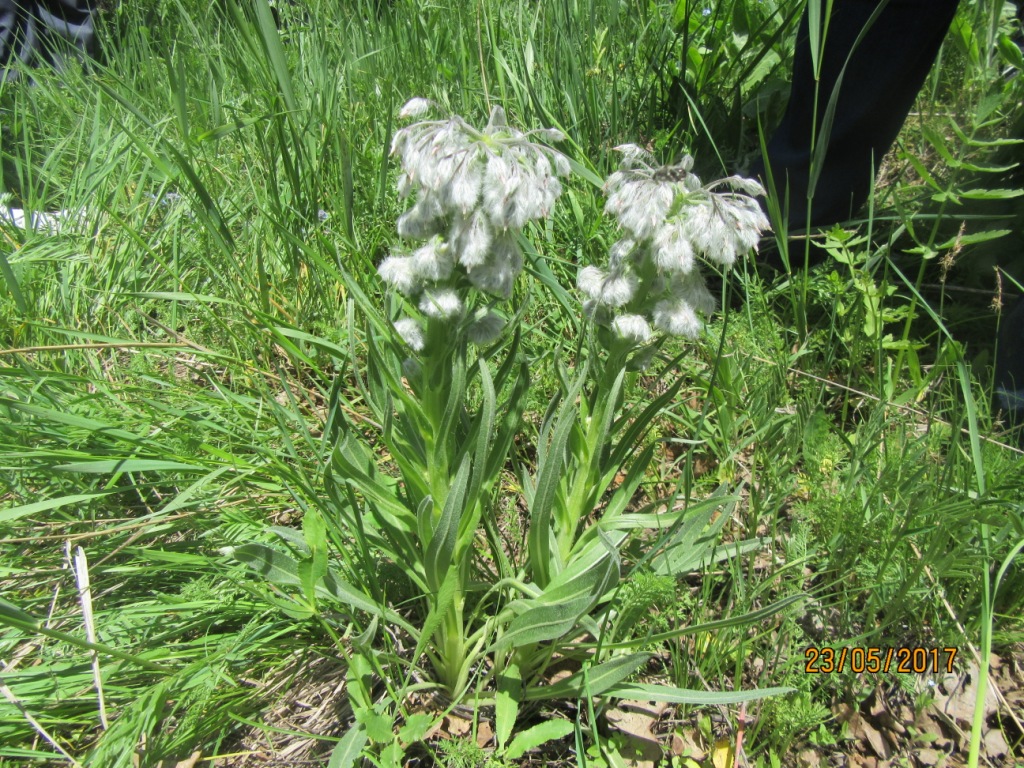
474,191
670,222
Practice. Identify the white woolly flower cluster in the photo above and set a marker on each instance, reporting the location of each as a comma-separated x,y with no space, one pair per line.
475,191
671,221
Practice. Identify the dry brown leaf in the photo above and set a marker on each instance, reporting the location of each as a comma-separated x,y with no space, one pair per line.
191,760
877,704
884,719
861,730
456,727
844,712
926,758
484,734
955,695
930,721
808,758
635,720
683,745
995,744
435,730
188,762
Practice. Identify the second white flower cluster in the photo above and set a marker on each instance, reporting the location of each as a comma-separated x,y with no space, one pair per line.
670,221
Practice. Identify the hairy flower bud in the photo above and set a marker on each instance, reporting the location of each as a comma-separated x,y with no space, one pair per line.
415,107
472,239
632,328
410,332
590,280
399,272
486,328
677,318
432,261
495,278
440,303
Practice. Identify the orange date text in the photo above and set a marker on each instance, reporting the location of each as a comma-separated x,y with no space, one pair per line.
873,660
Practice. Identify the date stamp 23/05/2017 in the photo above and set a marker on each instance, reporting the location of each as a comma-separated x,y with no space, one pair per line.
872,660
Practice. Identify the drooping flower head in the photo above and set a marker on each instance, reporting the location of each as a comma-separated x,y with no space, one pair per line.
671,221
475,190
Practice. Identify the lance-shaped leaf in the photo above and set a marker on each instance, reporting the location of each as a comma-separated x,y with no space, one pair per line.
551,463
283,570
694,542
558,609
356,466
539,734
592,681
506,703
349,750
647,692
441,548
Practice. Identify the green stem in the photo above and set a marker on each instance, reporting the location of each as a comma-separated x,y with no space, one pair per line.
437,381
454,644
978,721
987,610
587,471
443,353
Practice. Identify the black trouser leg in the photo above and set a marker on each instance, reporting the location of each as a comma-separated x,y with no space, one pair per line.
883,77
